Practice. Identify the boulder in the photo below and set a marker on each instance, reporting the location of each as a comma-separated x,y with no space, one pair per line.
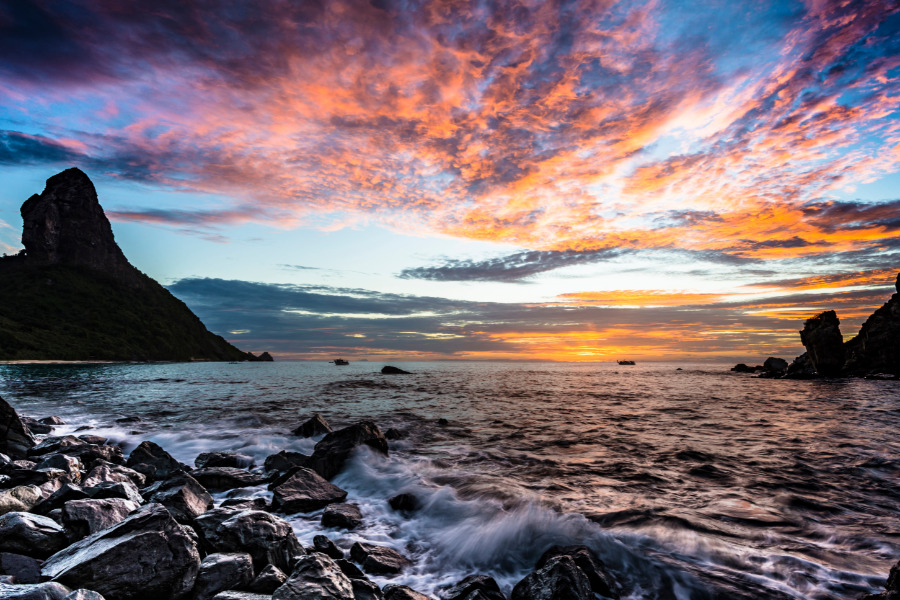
70,464
394,434
774,367
115,489
324,545
402,592
83,594
30,534
343,516
97,440
15,439
378,560
35,427
145,557
559,579
40,591
389,370
363,589
349,569
220,479
267,538
106,472
315,577
801,368
284,461
334,449
821,335
154,462
55,444
246,503
223,459
220,572
305,491
20,498
236,595
25,569
876,348
19,472
85,517
182,496
269,579
91,454
602,582
404,502
484,585
317,425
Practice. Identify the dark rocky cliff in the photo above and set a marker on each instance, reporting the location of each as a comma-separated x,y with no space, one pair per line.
72,294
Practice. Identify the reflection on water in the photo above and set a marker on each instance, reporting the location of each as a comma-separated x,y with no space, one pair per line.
763,488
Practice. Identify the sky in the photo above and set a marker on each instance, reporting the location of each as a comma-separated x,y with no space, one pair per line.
562,180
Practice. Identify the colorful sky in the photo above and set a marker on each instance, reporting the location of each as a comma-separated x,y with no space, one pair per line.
584,180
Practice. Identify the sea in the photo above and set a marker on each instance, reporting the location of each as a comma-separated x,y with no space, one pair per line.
688,480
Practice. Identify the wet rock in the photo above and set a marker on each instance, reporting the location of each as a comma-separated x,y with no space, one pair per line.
402,592
154,462
220,572
343,516
305,491
821,335
389,370
40,591
115,489
223,459
20,472
801,368
317,425
247,503
92,454
84,517
602,582
96,440
324,545
559,579
283,462
52,421
404,502
220,479
486,587
267,538
107,472
394,434
24,568
350,570
378,560
363,589
442,422
15,439
269,579
30,534
315,577
236,595
55,444
35,427
891,588
334,449
83,594
70,464
182,496
106,561
774,367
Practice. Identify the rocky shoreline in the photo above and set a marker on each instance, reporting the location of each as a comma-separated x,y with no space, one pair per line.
79,520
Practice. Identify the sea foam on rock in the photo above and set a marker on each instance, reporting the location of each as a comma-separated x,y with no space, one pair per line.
334,449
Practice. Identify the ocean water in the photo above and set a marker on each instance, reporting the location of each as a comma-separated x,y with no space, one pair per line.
690,481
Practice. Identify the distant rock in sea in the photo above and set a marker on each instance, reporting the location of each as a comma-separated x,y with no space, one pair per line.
72,295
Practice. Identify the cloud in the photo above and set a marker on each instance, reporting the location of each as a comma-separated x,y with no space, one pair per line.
19,148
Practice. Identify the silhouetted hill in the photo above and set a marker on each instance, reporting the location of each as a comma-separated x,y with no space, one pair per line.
72,294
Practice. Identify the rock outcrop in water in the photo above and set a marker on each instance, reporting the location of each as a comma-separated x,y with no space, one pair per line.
72,294
821,335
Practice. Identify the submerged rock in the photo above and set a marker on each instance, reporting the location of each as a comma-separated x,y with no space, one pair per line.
334,449
559,579
166,566
315,577
389,370
317,425
305,491
345,516
15,439
821,335
404,502
378,560
220,572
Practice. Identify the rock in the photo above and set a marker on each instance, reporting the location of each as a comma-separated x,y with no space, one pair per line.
344,516
154,462
891,588
269,579
324,545
559,579
15,439
821,335
223,459
267,538
442,422
85,517
70,464
389,370
378,560
315,577
35,427
317,425
30,534
68,491
363,589
220,572
105,561
40,591
55,444
220,479
334,449
742,368
115,489
96,440
24,568
775,367
20,499
247,503
801,368
94,454
284,461
236,595
876,348
83,594
402,592
350,570
590,564
182,496
305,491
394,434
52,421
107,472
486,586
20,472
404,502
